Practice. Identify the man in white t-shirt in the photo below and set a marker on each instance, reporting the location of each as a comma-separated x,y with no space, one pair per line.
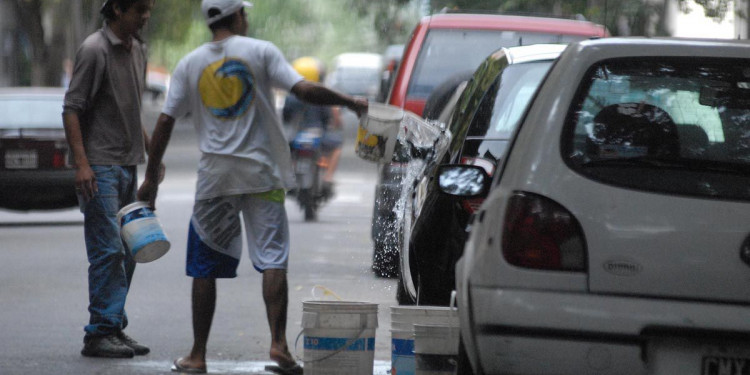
245,168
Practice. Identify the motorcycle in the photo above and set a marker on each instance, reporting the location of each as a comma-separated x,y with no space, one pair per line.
310,163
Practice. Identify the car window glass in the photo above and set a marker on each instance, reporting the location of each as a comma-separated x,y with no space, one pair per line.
501,109
446,52
683,119
30,113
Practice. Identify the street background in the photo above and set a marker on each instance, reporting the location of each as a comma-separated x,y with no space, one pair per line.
43,280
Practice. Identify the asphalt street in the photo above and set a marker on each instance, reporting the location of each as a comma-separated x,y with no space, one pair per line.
43,281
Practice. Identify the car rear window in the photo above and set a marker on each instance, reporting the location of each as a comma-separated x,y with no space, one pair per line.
446,52
501,109
26,113
678,126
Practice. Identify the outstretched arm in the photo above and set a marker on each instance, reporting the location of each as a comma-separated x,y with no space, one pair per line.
315,93
158,145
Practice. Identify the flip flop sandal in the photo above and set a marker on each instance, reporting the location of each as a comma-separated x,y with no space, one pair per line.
292,370
177,367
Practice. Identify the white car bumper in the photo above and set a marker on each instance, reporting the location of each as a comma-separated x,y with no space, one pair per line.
522,332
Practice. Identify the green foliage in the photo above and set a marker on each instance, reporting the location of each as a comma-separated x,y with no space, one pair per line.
321,28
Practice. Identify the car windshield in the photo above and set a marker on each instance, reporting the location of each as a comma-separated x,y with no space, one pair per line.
30,113
447,52
668,118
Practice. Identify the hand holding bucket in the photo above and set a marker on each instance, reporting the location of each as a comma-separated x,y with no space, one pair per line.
142,233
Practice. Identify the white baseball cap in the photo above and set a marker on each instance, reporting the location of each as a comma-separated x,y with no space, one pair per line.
225,8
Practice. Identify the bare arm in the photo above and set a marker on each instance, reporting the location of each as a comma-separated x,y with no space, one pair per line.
318,94
85,180
158,145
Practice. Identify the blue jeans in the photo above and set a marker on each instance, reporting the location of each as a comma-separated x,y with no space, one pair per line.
111,264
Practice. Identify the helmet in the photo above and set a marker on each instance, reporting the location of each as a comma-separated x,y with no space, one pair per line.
309,67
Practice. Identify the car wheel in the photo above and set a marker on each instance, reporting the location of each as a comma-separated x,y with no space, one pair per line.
463,366
402,296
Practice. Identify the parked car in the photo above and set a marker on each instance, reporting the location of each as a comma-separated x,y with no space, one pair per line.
449,47
483,120
615,237
35,170
391,60
356,74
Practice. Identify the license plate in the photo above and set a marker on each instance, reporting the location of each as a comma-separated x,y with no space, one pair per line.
21,159
698,356
719,365
303,165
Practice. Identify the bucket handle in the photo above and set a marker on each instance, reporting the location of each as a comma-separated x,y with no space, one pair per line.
363,321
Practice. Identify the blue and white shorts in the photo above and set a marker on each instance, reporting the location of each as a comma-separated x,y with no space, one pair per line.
214,240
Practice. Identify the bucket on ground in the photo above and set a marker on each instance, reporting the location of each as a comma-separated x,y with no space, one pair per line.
435,349
339,337
377,133
403,320
142,232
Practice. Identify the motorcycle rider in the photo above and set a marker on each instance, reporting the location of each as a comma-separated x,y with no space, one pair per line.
299,116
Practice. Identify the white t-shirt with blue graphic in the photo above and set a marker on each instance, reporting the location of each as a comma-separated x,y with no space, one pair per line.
224,88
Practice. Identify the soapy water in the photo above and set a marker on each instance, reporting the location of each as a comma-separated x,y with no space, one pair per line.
427,142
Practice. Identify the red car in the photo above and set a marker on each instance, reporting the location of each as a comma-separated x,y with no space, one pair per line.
445,49
446,44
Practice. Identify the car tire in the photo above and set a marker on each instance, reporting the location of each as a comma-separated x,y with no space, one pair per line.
442,93
463,365
402,296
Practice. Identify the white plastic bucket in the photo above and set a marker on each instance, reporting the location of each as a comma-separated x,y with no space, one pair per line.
435,349
378,132
142,232
403,319
339,337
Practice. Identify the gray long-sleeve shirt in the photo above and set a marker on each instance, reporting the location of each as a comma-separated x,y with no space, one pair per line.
105,91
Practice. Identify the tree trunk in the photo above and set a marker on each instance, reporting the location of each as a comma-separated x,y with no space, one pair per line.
30,21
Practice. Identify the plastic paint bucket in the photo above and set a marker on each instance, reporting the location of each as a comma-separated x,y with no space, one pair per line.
378,132
435,349
339,337
142,232
403,319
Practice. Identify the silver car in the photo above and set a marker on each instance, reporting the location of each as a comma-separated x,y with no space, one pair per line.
615,238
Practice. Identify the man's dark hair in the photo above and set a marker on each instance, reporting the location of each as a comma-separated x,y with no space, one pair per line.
108,9
223,23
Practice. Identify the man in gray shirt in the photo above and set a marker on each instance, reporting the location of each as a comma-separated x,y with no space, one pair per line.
103,126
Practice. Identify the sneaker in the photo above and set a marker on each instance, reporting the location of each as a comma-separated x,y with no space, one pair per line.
138,349
106,346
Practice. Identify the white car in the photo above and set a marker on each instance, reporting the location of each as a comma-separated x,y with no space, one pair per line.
615,236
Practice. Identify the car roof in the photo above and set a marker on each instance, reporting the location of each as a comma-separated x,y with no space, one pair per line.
665,46
515,23
536,52
31,91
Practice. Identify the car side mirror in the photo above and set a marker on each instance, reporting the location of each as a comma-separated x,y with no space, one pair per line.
464,181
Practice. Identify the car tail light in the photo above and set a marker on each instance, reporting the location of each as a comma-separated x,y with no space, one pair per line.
305,153
539,233
59,159
472,205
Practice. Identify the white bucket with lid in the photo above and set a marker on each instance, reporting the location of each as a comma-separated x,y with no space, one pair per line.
403,320
435,349
142,232
378,132
339,337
